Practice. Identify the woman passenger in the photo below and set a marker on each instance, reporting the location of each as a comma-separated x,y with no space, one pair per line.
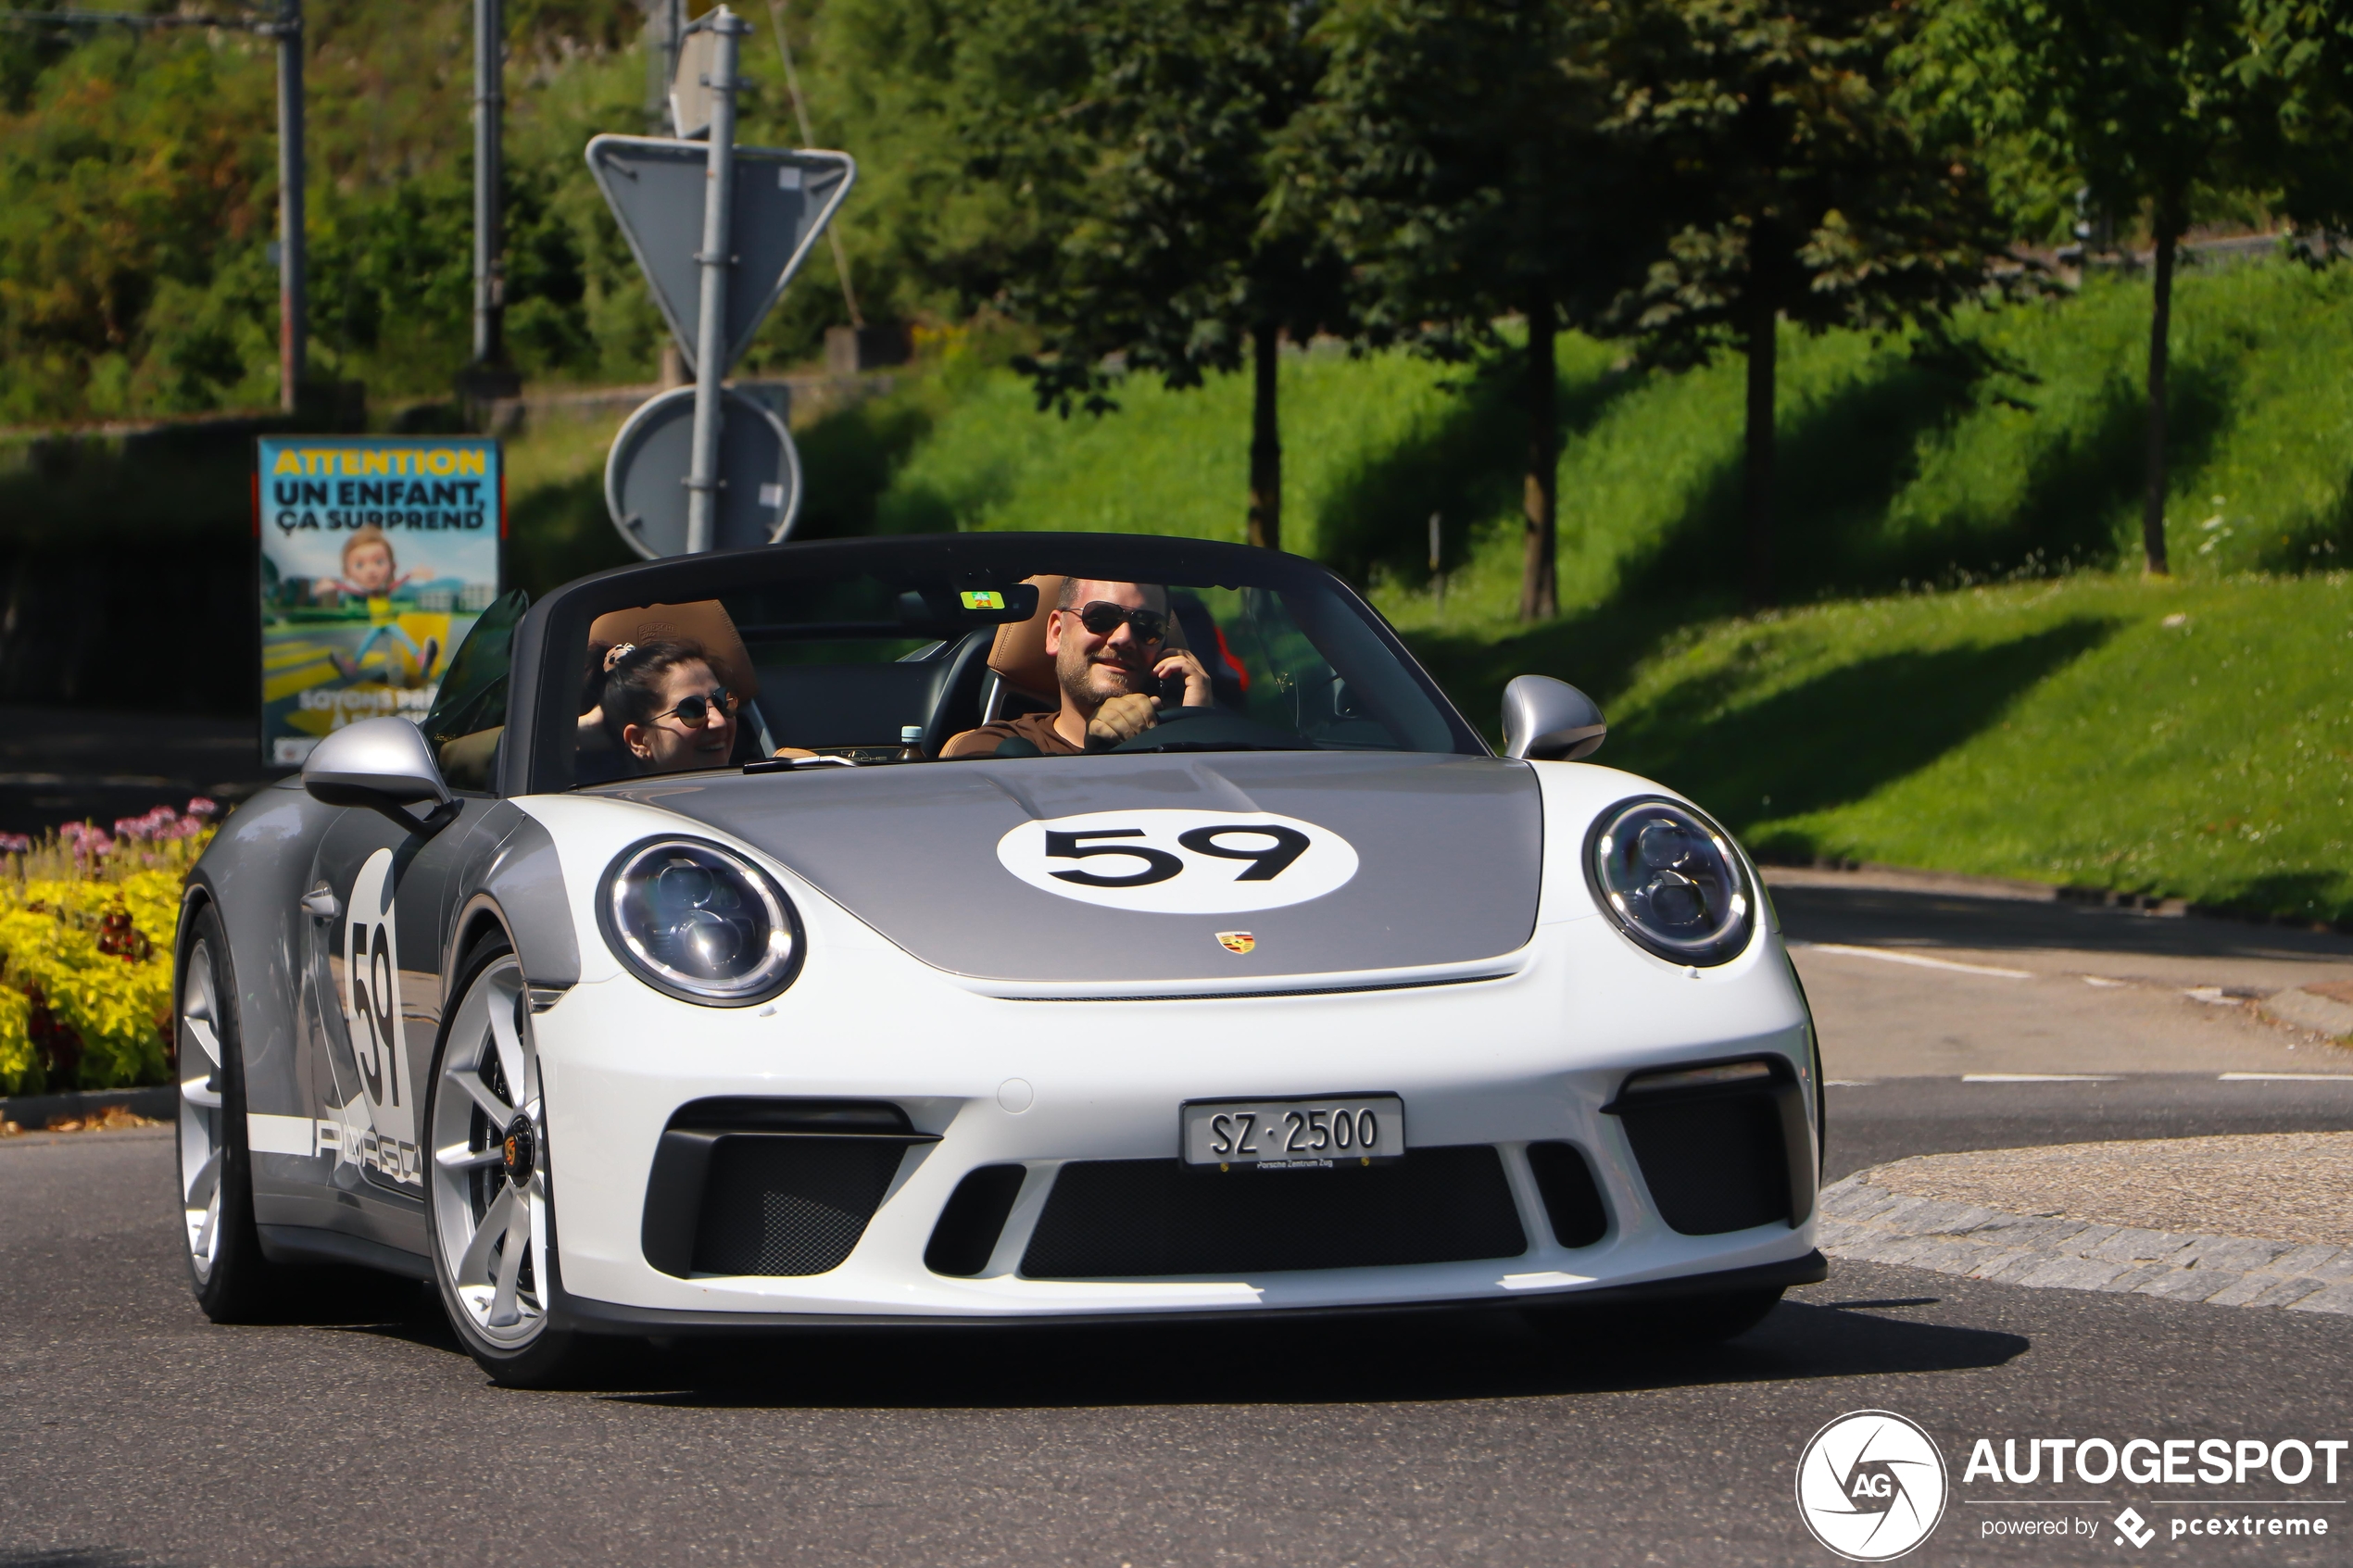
666,709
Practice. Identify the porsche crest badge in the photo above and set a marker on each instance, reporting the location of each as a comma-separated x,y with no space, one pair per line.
1237,941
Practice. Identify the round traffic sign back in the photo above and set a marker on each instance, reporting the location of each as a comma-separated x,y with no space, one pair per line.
646,475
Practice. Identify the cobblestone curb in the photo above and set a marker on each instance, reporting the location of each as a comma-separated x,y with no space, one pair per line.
1869,1223
2313,1009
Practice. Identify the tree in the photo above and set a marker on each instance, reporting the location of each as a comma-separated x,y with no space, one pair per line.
1797,193
1182,256
2147,104
1457,154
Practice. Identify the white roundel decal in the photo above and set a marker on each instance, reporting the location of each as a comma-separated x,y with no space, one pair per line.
1166,862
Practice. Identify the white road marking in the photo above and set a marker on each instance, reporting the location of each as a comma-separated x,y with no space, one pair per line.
2287,1077
2212,996
1848,1083
1883,953
2103,981
2037,1078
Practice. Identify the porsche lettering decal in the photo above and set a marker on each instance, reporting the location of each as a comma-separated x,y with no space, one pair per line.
1174,862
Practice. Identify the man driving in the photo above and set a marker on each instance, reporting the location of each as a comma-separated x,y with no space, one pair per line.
1109,642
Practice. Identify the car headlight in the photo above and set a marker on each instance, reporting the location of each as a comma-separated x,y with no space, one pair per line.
699,922
1672,880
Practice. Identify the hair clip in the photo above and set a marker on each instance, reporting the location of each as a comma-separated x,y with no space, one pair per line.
618,652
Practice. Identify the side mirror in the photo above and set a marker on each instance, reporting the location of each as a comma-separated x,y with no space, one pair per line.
385,765
1551,720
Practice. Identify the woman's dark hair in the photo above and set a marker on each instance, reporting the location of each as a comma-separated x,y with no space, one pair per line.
592,676
633,687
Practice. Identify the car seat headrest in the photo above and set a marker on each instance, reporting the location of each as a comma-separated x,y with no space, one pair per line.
1019,656
703,622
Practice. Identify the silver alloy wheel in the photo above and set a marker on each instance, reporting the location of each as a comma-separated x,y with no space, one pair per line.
488,1171
203,1138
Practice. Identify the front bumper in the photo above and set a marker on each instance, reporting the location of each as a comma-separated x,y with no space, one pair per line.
1530,1055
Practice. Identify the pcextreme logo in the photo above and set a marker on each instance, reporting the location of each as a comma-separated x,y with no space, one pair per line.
1871,1485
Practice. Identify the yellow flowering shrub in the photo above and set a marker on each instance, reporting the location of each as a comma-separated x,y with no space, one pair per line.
87,923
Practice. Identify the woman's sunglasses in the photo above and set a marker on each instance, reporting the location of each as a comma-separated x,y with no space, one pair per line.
695,711
1103,618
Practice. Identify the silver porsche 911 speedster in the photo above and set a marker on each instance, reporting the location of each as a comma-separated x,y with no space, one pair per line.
978,929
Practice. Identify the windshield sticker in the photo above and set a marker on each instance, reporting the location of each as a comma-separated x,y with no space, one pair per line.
1167,863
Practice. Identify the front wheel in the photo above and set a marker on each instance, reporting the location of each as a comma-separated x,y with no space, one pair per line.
232,1281
486,1181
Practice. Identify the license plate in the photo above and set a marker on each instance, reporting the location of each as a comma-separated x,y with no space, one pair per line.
1336,1132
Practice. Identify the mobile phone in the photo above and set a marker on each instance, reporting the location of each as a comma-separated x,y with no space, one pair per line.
1170,689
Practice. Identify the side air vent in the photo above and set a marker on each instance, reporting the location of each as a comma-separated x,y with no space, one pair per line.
1723,1146
1572,1200
974,1217
770,1186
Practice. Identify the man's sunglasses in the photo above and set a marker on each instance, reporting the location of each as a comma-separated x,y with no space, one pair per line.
1104,618
695,711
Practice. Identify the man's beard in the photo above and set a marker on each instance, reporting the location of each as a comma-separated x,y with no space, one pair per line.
1076,672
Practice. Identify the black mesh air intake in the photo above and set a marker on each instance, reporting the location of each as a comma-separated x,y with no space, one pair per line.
1572,1200
1129,1217
974,1217
789,1206
770,1186
1714,1161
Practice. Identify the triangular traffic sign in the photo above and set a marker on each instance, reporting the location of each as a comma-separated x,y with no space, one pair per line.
783,198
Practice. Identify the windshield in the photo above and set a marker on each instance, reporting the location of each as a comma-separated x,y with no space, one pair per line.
977,648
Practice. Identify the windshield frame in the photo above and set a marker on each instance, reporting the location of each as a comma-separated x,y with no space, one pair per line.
547,640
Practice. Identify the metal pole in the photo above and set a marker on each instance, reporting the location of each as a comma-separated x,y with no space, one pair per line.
710,335
292,326
490,284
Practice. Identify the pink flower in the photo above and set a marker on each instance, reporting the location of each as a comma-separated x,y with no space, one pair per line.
200,807
157,823
15,844
86,839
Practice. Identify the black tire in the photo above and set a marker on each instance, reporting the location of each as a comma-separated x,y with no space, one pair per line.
236,1283
549,1357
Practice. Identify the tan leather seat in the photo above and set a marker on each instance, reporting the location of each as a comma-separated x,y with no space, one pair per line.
1018,657
704,621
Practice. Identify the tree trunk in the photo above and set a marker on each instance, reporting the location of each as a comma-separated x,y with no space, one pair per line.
1539,582
1265,441
1756,472
2161,322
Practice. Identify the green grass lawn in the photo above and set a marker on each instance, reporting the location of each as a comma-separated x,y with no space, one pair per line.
1901,464
2185,739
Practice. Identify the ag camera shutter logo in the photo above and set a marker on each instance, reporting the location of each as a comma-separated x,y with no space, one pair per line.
1871,1485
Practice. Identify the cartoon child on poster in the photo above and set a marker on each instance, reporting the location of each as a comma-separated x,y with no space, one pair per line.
371,574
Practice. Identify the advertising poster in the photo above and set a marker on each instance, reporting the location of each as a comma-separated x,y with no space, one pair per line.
377,555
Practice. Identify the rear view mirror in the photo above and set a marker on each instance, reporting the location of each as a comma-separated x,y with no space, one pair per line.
952,612
1551,720
385,765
